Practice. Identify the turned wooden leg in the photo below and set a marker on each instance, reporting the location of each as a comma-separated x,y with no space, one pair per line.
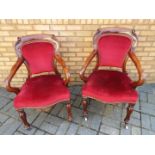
130,109
22,116
69,112
85,112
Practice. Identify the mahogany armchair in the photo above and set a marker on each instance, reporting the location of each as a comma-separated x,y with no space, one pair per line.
39,53
112,47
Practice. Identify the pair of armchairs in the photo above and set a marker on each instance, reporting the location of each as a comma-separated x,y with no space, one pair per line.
112,47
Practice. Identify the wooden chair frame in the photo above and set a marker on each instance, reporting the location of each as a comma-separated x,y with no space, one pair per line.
29,39
131,55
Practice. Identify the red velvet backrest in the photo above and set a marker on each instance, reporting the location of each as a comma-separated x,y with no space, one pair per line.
39,56
113,49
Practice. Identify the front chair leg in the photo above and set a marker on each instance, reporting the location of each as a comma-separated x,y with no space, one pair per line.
69,112
22,116
85,112
130,109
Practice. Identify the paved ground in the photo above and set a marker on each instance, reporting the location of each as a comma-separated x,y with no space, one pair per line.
103,119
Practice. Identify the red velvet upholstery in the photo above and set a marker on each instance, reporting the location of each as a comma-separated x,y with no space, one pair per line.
113,49
110,86
42,91
39,56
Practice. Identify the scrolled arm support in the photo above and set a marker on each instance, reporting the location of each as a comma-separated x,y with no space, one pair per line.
11,75
137,64
64,67
87,62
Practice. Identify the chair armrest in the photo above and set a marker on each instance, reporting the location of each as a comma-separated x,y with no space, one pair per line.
137,64
64,67
87,62
13,71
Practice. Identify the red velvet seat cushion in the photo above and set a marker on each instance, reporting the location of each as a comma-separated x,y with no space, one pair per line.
110,86
113,49
42,91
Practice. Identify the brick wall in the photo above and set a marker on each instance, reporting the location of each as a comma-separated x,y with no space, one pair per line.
75,38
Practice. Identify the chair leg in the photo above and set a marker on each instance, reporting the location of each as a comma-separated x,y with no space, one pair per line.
89,99
69,112
85,112
22,116
130,109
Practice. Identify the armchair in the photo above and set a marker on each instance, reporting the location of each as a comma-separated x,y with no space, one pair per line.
112,47
38,53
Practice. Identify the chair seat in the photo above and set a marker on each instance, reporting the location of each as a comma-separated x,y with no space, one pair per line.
110,87
42,91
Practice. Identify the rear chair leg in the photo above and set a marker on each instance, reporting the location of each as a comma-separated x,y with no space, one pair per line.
130,109
85,112
89,99
22,116
69,112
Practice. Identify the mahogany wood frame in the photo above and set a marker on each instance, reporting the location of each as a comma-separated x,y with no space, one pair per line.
32,38
131,55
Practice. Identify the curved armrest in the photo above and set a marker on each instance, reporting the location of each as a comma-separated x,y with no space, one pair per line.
135,60
11,75
64,67
87,62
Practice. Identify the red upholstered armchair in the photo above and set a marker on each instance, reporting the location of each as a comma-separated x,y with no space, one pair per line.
112,47
39,53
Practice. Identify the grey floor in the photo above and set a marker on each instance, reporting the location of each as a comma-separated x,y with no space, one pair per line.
103,119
